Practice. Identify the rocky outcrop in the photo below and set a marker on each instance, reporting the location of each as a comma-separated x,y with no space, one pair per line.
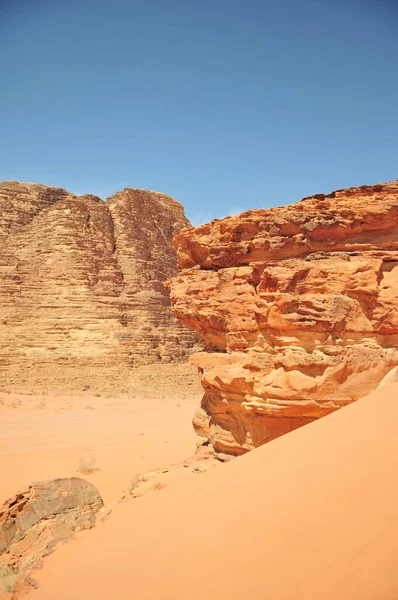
39,517
81,280
297,307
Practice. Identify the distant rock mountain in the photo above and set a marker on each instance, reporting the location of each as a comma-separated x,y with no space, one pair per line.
297,307
81,280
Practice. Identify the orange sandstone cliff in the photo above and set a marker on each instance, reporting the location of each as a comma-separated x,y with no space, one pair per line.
297,307
81,280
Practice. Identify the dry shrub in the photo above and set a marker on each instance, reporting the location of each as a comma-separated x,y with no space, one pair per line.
86,464
8,579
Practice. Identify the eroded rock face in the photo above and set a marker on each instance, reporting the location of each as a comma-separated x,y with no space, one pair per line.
42,515
297,307
81,280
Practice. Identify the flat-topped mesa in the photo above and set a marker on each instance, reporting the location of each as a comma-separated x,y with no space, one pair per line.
81,280
297,307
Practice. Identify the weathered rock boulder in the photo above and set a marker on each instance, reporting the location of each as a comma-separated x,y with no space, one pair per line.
39,517
81,280
297,307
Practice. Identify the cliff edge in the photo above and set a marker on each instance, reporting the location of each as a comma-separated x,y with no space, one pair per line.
297,307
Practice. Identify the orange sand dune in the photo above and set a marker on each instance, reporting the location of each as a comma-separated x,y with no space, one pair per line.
311,515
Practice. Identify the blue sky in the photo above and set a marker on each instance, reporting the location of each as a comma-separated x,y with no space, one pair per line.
225,105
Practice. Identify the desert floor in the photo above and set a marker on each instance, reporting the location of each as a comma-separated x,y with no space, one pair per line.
45,432
312,515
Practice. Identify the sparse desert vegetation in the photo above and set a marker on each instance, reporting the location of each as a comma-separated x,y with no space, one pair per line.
15,403
9,578
86,464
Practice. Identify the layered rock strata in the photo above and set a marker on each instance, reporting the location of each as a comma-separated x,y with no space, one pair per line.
297,307
81,280
39,517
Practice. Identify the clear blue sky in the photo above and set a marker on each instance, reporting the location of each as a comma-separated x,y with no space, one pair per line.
224,104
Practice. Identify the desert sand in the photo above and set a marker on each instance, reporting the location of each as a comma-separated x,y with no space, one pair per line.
310,515
45,433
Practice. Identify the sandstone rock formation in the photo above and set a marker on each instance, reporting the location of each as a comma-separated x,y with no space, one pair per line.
81,280
39,517
297,307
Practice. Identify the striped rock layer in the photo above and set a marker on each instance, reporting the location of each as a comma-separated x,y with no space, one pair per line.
82,280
